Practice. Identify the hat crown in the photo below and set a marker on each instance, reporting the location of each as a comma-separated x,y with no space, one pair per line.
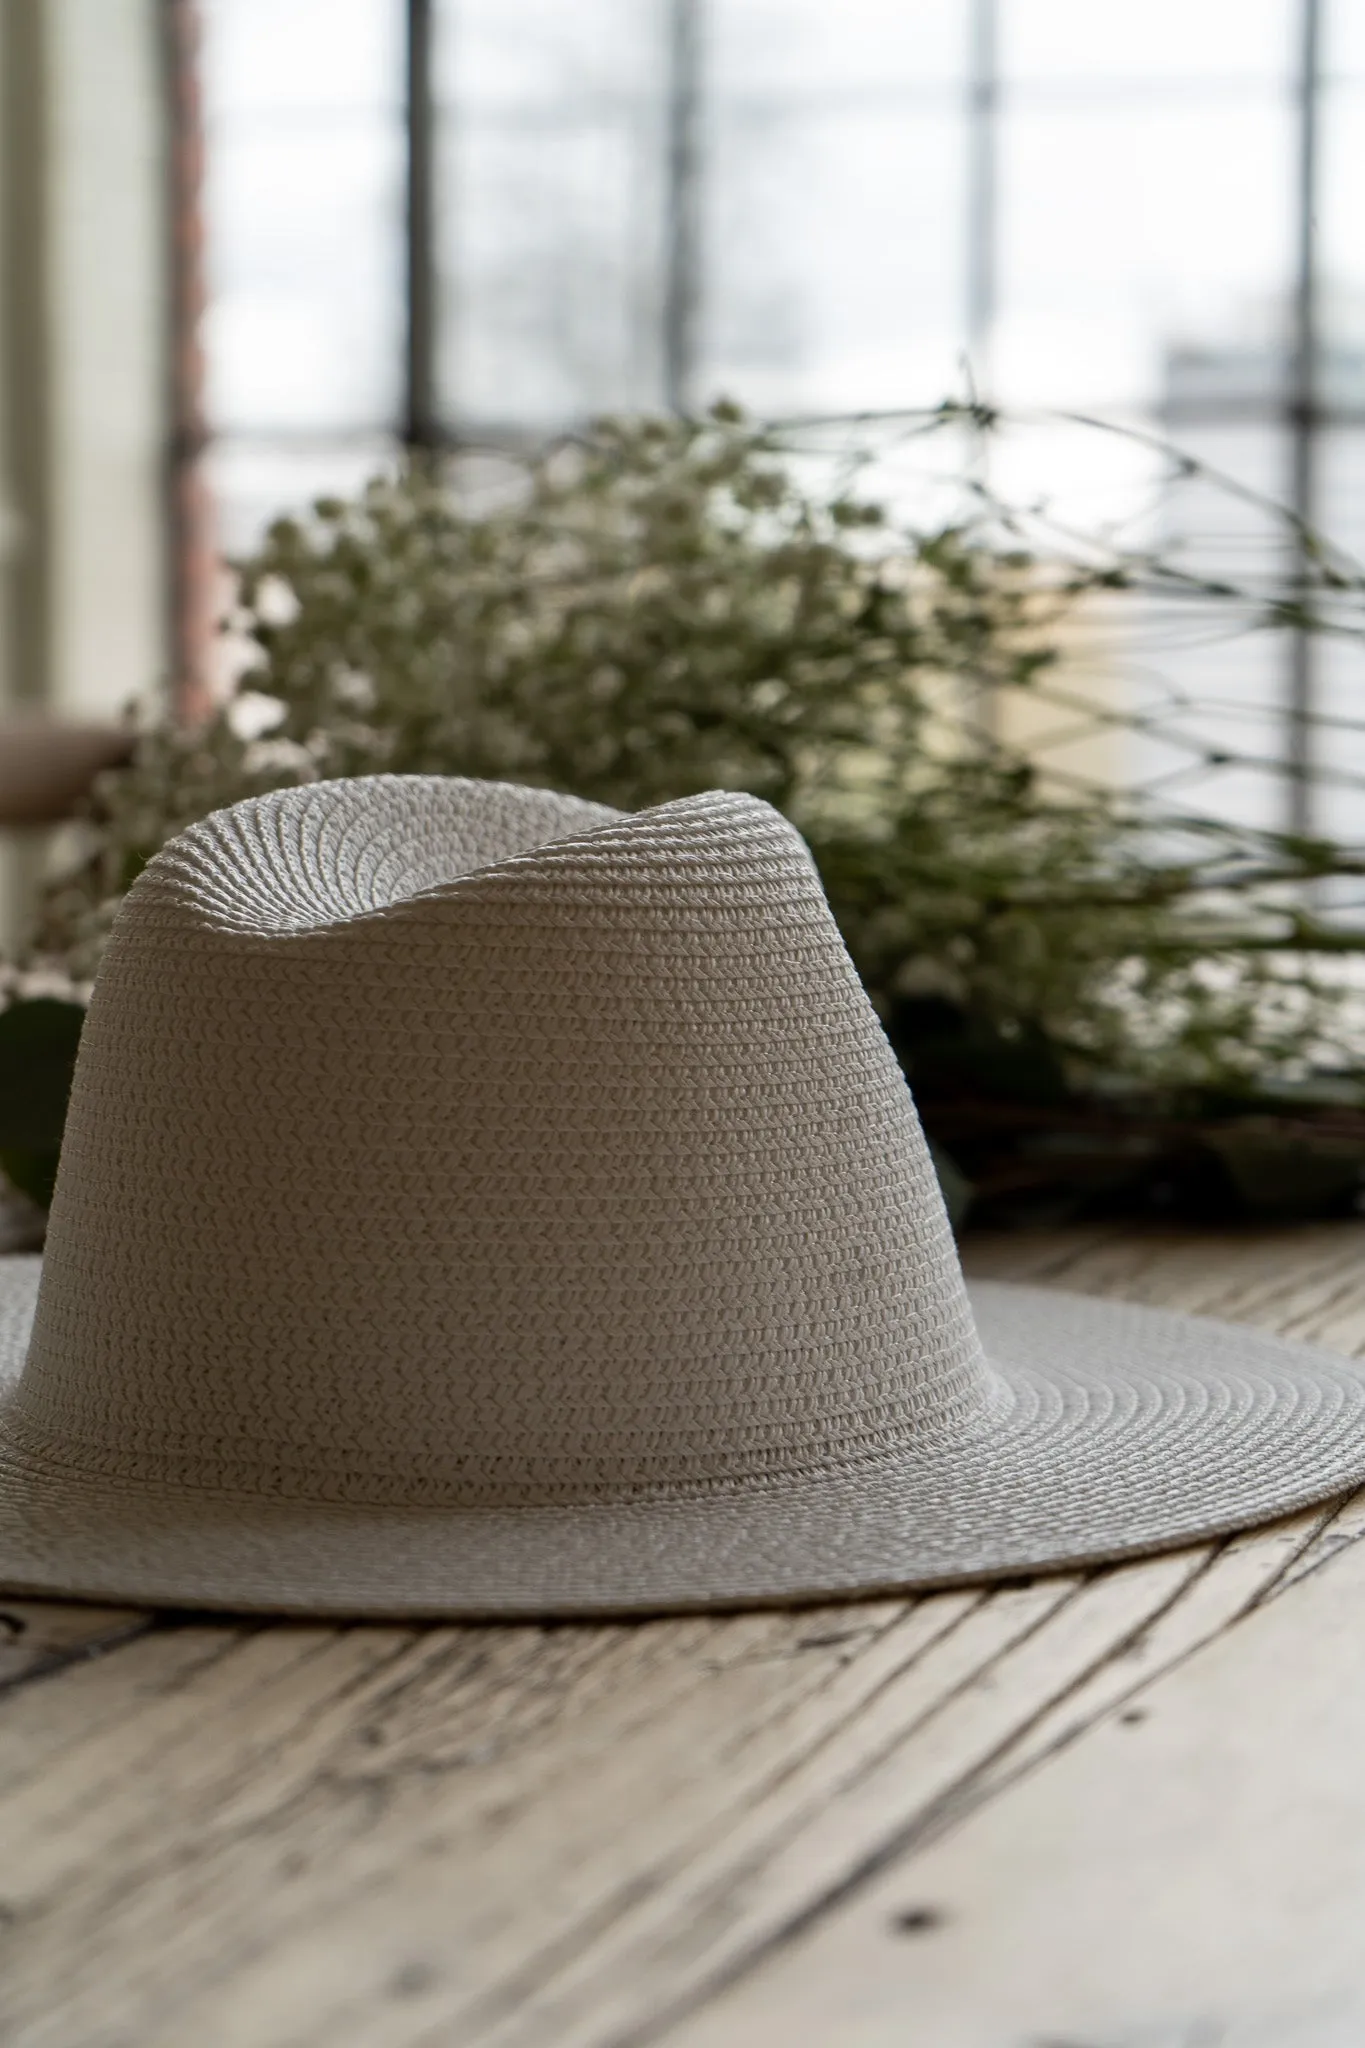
436,1140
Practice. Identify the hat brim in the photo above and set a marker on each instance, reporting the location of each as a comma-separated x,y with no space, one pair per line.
1118,1430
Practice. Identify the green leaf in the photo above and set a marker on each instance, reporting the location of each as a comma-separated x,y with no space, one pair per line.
34,1173
1290,1174
661,606
38,1043
954,1186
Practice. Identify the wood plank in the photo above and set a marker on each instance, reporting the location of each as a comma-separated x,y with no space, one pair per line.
40,1637
691,1790
582,1837
1295,1281
1193,1873
279,1816
824,1827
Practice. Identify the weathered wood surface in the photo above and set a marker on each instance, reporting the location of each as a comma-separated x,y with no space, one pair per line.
1115,1810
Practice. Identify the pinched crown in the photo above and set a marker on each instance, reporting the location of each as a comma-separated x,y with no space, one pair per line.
437,1140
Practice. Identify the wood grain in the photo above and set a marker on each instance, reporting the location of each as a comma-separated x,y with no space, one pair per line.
1190,1876
593,1836
40,1637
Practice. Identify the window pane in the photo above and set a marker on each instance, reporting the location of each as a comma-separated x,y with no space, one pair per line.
253,482
1217,683
1344,40
1339,666
293,56
303,208
829,198
1340,250
1168,43
804,48
552,168
1130,233
834,204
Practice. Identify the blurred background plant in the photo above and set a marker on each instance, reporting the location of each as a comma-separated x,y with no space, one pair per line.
1070,713
1101,1001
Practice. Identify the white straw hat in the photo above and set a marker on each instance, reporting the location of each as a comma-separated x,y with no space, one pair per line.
478,1202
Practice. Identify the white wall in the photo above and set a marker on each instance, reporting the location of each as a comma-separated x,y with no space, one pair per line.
109,212
98,382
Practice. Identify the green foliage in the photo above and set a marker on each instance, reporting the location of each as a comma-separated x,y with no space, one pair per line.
660,607
656,609
38,1041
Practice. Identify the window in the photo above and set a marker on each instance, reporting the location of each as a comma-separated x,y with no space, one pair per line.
463,221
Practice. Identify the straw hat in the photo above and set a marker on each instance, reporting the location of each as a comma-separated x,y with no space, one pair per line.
478,1202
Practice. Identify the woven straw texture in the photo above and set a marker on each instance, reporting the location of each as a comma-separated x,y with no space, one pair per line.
475,1201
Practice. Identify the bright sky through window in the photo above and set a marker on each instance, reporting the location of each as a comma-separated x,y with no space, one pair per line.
811,208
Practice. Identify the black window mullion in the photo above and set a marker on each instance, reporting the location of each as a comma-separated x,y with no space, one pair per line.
983,109
682,195
1304,414
421,424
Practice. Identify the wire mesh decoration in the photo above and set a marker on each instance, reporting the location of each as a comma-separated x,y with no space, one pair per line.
1047,825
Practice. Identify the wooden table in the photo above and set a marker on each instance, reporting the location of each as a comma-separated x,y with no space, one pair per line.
1123,1809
